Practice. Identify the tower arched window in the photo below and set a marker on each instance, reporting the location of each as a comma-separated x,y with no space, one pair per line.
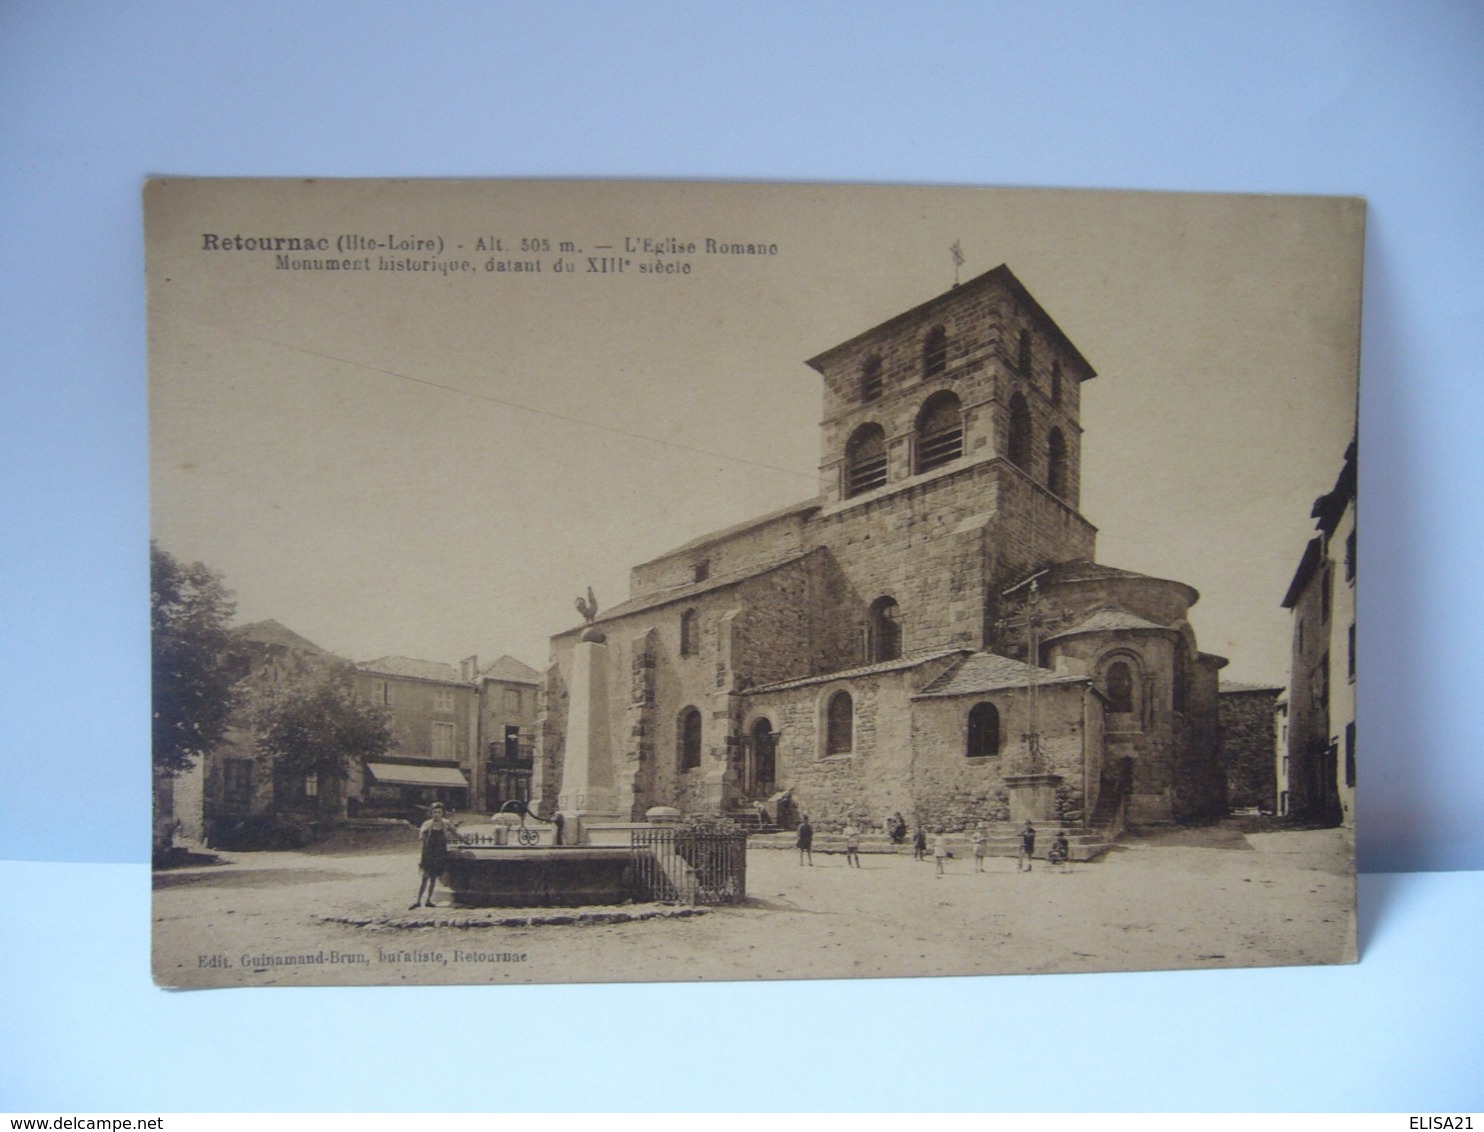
690,634
871,380
1019,447
1056,463
1118,683
984,731
885,640
839,725
865,460
940,431
935,352
1023,353
688,739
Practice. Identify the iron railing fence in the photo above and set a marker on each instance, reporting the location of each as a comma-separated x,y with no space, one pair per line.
691,867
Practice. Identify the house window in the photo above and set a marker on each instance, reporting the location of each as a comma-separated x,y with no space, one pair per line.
512,743
935,352
984,731
381,692
690,634
443,699
871,382
1019,448
1349,754
865,460
1350,557
688,739
885,634
1350,661
940,432
237,782
839,725
512,701
443,741
1023,353
311,785
1119,685
1326,593
701,570
1056,463
1056,383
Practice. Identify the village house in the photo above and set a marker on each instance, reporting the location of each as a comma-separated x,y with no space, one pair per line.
1251,719
930,633
235,791
1320,755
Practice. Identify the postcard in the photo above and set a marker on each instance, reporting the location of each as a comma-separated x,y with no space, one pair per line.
561,581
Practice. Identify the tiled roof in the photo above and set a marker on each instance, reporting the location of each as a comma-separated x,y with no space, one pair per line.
738,528
692,589
510,670
1238,686
864,670
1089,572
270,632
1105,620
409,668
990,672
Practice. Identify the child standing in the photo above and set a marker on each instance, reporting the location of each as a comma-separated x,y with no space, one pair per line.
434,835
1027,847
980,840
940,849
852,845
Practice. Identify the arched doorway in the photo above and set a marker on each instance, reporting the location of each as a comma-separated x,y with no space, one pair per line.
761,778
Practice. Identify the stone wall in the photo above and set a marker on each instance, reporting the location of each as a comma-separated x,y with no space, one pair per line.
956,792
1247,747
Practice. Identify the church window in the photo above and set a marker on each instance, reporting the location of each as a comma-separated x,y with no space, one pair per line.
1056,463
690,634
871,382
688,739
935,352
984,731
885,634
1120,687
940,432
1019,448
1023,353
839,725
865,460
1056,383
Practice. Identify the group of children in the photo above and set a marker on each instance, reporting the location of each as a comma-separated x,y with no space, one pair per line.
1058,855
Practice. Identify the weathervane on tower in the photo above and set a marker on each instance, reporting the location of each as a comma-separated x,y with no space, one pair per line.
958,259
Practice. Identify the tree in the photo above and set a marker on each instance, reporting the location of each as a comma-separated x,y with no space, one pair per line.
320,728
195,660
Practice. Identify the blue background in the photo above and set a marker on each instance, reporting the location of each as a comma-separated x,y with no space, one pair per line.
1380,100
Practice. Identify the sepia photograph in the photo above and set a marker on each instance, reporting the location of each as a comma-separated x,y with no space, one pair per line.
581,581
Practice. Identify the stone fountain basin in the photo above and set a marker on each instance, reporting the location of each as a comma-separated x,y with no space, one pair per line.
542,877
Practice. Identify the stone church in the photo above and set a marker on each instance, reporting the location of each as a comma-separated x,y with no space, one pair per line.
930,634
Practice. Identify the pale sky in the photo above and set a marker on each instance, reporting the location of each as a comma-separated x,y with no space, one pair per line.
429,465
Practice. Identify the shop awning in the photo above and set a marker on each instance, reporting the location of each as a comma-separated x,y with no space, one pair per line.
395,774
